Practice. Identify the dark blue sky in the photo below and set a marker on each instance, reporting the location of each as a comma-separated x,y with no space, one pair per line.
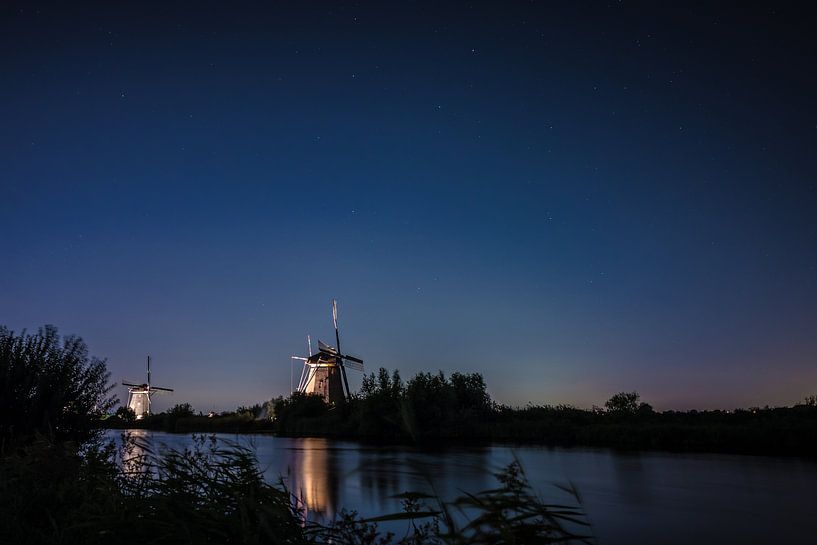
571,200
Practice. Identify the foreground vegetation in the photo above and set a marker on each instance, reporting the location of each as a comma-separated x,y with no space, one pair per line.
214,492
61,484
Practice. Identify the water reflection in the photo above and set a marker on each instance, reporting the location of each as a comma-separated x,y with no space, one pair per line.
630,498
327,476
632,477
314,477
133,451
380,475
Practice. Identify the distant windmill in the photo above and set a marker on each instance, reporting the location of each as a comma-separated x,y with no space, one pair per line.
139,395
324,373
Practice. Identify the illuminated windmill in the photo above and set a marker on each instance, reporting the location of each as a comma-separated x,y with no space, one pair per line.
139,396
324,373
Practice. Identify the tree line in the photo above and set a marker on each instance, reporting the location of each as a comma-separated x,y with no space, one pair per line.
437,409
432,407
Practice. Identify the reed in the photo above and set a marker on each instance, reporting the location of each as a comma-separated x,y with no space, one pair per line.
214,492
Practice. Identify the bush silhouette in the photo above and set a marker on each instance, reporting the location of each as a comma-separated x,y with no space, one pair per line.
50,387
623,403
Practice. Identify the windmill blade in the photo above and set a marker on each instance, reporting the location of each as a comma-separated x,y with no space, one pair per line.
323,347
132,385
352,358
335,320
298,358
356,365
347,393
162,389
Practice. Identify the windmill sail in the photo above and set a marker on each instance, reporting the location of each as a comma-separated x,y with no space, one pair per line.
323,347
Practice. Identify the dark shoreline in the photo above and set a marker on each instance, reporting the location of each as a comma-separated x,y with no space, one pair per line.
804,451
457,410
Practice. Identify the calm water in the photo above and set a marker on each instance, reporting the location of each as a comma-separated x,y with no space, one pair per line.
629,498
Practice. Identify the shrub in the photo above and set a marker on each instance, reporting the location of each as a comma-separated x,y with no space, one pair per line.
181,410
623,403
297,407
50,387
125,414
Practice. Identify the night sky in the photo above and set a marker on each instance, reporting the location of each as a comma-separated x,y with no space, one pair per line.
572,201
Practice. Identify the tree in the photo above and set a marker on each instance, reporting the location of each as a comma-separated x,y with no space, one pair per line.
50,387
181,410
471,395
298,406
645,409
378,406
623,403
435,405
126,414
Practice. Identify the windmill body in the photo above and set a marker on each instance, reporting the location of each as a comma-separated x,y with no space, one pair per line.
139,396
324,373
322,376
139,400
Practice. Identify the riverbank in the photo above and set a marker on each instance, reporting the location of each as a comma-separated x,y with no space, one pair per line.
771,432
432,409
